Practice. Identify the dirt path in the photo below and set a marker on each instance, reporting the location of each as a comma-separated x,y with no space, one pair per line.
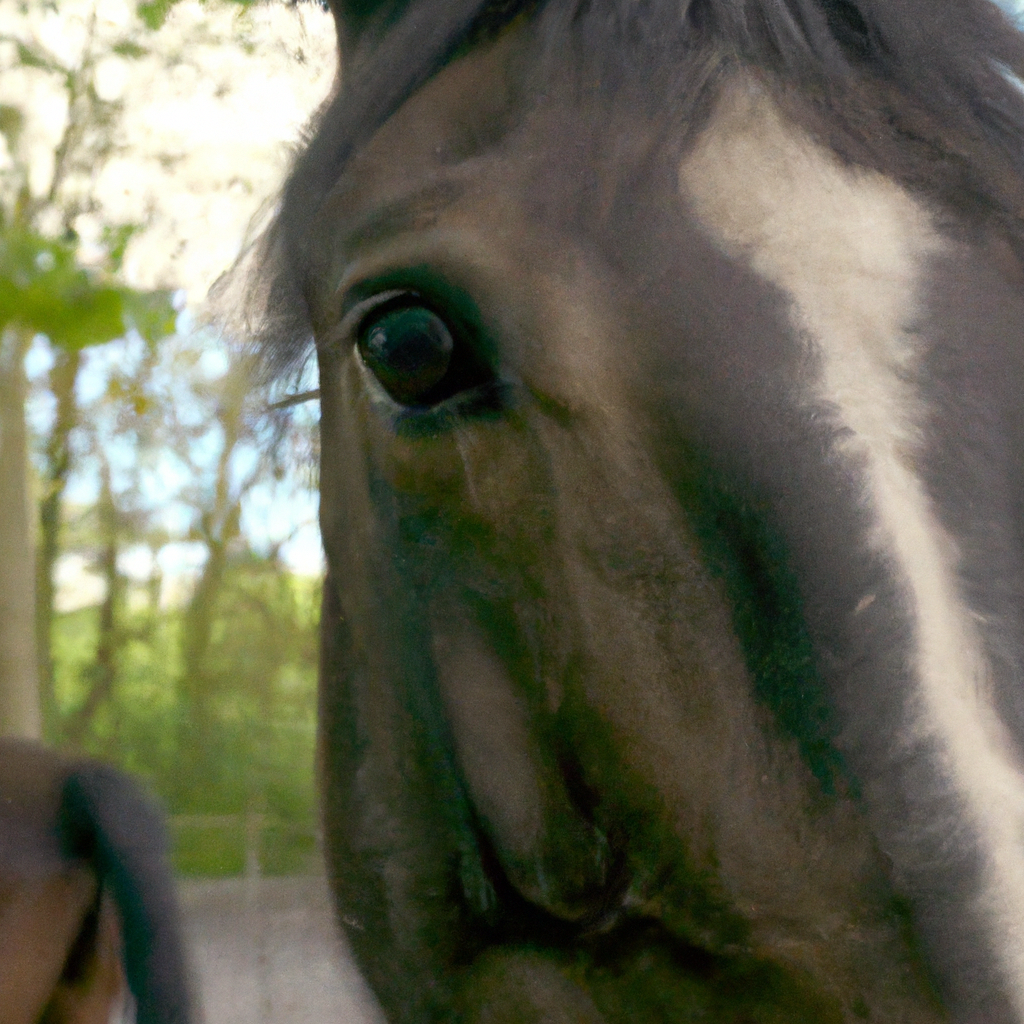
266,952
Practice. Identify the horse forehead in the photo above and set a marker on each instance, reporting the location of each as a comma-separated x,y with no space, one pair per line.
461,112
839,240
472,167
505,126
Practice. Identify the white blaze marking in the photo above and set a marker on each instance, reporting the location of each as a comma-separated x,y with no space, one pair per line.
848,246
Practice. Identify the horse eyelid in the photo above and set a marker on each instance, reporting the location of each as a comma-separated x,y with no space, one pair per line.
345,329
355,315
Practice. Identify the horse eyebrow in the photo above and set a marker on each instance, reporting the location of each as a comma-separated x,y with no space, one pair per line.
415,211
284,336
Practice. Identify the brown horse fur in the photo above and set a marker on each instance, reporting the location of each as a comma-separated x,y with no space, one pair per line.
673,635
88,921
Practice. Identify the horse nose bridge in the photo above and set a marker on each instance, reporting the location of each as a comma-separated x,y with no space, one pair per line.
537,830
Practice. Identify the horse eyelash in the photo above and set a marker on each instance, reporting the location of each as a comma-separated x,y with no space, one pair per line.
296,399
354,316
346,328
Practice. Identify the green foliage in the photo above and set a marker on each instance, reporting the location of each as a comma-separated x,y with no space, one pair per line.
209,850
243,746
115,240
150,313
154,13
32,57
45,290
12,123
130,49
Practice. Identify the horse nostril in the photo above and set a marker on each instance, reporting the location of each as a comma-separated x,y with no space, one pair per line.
537,835
556,894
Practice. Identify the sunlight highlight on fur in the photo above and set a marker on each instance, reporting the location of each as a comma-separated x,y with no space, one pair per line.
850,248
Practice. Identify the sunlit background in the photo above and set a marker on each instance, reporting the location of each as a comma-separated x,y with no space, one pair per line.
177,564
178,558
195,123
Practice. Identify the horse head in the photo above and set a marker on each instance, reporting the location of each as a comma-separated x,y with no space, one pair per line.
670,361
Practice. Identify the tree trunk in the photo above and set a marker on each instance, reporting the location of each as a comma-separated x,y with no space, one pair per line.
58,462
19,691
108,642
219,526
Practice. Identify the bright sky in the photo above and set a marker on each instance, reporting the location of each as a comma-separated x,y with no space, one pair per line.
209,118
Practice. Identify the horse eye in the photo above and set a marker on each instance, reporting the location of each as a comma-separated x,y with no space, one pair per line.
409,351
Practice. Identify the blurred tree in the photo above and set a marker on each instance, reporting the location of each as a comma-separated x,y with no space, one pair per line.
204,687
249,450
209,694
19,705
103,672
45,290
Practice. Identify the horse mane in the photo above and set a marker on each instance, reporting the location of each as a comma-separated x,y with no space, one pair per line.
928,92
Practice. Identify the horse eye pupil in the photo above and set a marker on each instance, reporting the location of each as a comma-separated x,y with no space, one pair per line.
408,350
